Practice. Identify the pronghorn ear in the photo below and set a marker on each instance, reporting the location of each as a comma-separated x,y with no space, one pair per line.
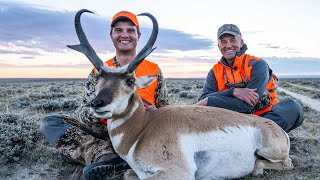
145,81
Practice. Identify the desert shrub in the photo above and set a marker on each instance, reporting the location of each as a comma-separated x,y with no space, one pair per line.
3,93
36,96
285,85
11,91
285,97
199,86
174,90
70,83
47,105
280,93
73,92
305,82
186,87
37,85
55,89
188,95
56,105
316,95
70,104
183,94
21,102
193,96
18,135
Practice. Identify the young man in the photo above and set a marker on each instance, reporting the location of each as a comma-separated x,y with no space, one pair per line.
245,83
98,155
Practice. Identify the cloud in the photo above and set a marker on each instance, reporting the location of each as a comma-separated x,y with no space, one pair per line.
295,65
286,49
27,57
252,32
269,45
29,27
177,40
74,66
12,51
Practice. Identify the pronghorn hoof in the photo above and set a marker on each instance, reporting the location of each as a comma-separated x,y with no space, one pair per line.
258,169
288,164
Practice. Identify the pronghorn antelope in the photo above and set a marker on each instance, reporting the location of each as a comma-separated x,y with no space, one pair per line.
180,142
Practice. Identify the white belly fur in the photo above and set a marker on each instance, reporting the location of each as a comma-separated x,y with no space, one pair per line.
226,154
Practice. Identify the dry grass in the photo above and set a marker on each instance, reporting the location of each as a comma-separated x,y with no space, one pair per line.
306,87
25,102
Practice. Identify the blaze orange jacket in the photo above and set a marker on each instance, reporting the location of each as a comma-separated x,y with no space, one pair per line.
241,72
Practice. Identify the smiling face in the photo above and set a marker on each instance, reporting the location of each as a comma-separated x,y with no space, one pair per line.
125,36
229,45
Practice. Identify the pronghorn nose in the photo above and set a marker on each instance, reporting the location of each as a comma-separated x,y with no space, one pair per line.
96,104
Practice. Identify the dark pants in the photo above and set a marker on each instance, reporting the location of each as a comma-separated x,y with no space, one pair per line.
288,114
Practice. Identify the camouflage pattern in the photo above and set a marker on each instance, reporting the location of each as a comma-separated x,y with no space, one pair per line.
84,148
161,95
81,147
264,102
228,29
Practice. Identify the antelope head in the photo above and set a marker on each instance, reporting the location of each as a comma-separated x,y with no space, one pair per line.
115,86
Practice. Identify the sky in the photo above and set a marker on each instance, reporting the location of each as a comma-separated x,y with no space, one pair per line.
34,35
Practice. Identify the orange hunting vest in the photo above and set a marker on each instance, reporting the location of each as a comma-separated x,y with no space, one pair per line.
145,68
240,72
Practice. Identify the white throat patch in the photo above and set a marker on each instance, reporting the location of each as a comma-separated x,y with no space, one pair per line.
116,140
112,124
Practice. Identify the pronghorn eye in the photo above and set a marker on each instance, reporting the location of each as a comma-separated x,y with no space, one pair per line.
130,82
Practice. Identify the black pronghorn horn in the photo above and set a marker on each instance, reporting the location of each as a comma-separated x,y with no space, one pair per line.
147,49
84,46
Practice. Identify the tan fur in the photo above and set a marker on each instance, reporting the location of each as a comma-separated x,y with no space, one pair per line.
159,130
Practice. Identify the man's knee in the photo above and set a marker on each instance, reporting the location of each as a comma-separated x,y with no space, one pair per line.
292,112
288,114
297,109
53,127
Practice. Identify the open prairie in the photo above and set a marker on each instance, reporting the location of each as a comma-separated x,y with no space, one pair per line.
25,154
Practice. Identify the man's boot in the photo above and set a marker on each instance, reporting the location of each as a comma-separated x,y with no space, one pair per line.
109,166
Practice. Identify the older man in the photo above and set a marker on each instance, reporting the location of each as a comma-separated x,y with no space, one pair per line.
245,83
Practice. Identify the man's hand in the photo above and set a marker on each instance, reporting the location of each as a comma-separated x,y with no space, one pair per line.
247,95
203,102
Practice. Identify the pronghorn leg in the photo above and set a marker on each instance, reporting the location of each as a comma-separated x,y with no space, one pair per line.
273,154
265,164
275,158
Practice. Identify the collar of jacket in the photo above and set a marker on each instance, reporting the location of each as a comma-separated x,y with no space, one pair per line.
223,60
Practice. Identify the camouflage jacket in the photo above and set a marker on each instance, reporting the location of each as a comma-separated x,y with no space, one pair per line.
85,116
